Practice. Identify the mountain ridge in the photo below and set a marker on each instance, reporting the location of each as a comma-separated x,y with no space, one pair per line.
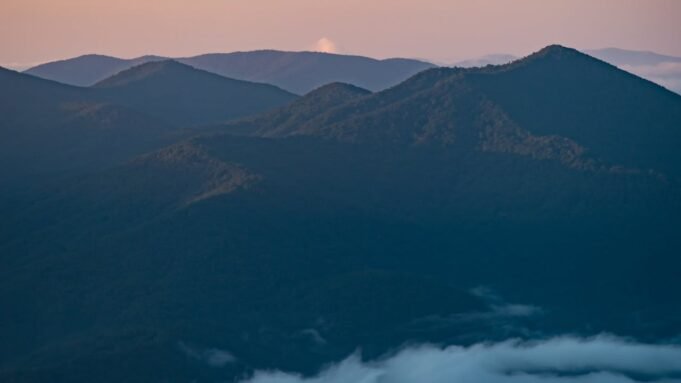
184,95
297,72
86,70
49,126
479,89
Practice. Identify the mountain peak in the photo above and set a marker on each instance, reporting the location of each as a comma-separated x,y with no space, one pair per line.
182,94
96,55
167,64
551,55
144,71
150,58
85,70
556,51
339,88
289,118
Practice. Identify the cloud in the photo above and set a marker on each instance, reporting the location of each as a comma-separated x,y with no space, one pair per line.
665,69
500,320
667,74
314,336
213,357
500,307
325,45
601,359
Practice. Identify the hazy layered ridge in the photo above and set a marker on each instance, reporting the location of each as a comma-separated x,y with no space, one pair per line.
51,127
661,69
186,96
297,72
301,72
88,69
532,199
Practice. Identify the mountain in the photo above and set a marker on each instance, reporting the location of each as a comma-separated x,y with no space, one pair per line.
301,72
291,116
182,95
550,107
49,128
661,69
86,70
297,72
536,198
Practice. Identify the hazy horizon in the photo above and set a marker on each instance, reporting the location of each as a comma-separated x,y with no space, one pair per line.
437,30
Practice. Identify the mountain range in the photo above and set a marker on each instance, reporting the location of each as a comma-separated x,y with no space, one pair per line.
48,126
461,205
302,72
297,72
87,70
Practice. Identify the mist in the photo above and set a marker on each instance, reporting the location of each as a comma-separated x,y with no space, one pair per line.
567,359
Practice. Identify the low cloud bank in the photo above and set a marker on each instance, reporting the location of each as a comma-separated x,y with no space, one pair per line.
602,359
667,74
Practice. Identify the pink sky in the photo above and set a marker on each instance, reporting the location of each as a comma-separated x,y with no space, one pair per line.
35,31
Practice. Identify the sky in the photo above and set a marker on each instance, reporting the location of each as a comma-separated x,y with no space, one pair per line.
443,31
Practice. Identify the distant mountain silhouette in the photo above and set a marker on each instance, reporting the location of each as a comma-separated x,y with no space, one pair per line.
182,95
86,70
297,72
493,59
301,72
661,69
618,57
348,220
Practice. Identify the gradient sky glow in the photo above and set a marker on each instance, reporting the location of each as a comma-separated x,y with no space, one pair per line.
35,31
